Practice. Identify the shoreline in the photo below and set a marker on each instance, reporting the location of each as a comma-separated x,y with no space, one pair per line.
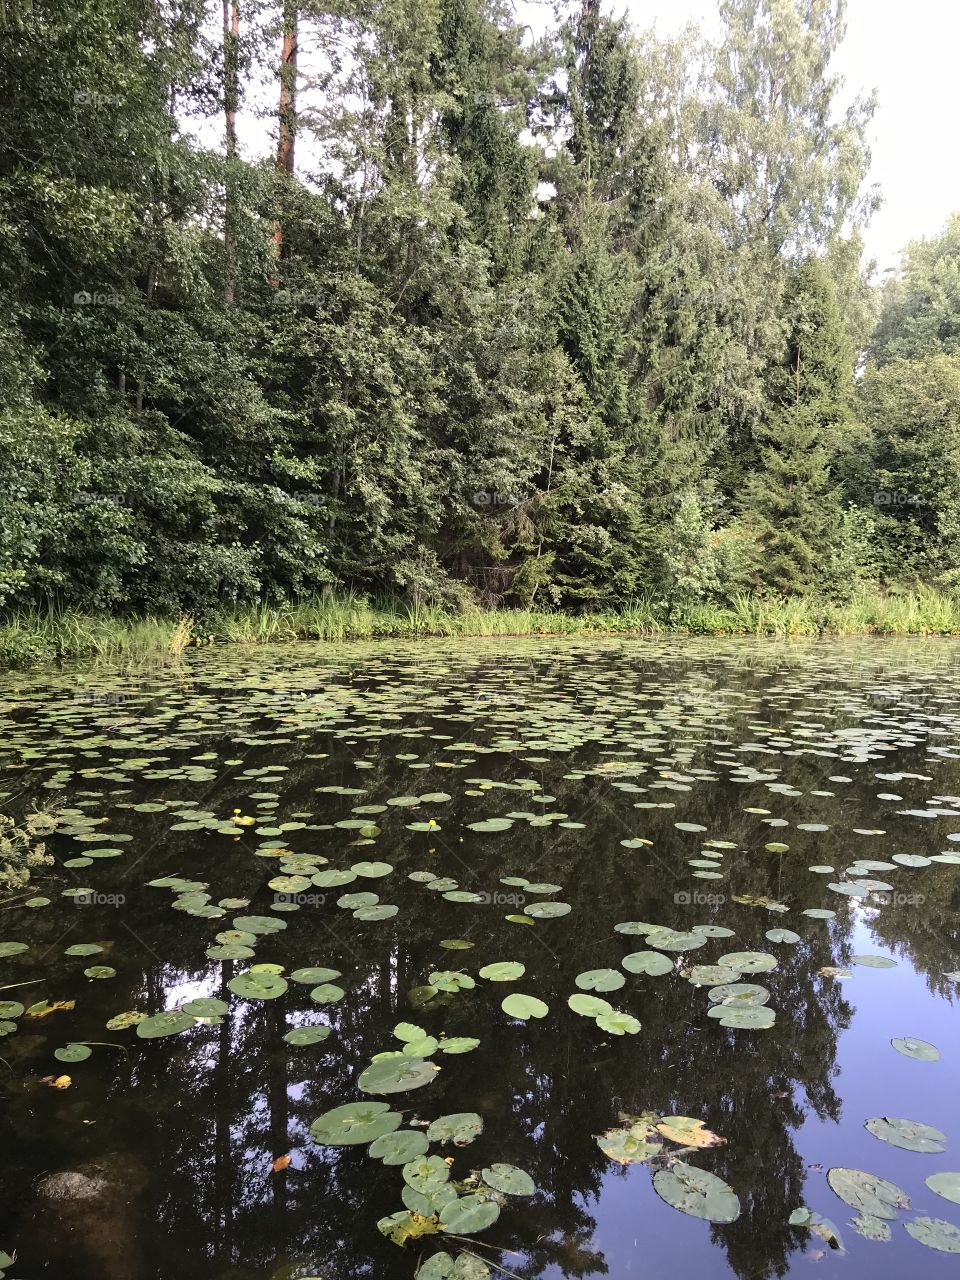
33,639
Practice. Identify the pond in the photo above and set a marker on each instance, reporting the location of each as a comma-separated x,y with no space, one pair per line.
628,958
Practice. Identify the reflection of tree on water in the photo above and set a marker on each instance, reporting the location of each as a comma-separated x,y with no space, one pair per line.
210,1110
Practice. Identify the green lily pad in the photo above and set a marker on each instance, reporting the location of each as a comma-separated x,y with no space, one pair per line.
935,1233
782,935
469,1214
868,1194
547,910
652,963
920,1049
618,1024
744,994
503,971
634,1145
460,1128
508,1179
310,976
399,1147
306,1035
258,986
524,1007
740,1018
871,1228
83,949
73,1053
396,1075
459,1044
371,870
600,980
874,962
327,993
908,1134
426,1173
206,1007
749,961
697,1193
10,1008
355,1123
946,1185
589,1006
382,911
164,1024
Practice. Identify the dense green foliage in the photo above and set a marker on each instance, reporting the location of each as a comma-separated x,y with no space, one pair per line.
553,323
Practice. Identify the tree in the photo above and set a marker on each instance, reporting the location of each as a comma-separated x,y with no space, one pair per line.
920,303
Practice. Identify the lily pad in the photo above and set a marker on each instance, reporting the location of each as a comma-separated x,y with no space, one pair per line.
920,1049
399,1147
258,986
355,1123
306,1035
396,1075
522,1006
600,980
935,1233
73,1053
908,1134
697,1193
460,1128
868,1194
508,1179
503,971
469,1214
164,1024
946,1185
589,1006
653,963
752,1018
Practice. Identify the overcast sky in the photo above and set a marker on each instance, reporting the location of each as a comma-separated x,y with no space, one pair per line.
908,50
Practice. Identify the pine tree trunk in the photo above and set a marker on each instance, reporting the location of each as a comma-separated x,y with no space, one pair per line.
231,58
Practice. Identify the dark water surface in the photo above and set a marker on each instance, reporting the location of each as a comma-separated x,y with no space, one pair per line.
593,746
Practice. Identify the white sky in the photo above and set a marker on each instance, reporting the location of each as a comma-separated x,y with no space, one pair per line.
908,51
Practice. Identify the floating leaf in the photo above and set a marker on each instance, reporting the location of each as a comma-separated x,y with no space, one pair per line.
753,1018
874,962
503,971
72,1053
749,961
327,993
164,1024
524,1007
600,980
697,1193
399,1147
868,1194
589,1006
306,1035
313,975
258,985
617,1023
782,935
871,1228
508,1179
908,1134
935,1234
469,1214
946,1185
355,1123
460,1128
547,910
629,1146
653,963
458,1044
688,1132
396,1075
920,1049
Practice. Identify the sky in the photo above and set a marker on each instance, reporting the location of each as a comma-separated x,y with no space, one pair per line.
908,52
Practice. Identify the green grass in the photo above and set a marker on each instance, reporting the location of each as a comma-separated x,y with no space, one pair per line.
31,638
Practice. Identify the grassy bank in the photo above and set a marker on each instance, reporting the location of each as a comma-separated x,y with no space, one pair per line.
30,638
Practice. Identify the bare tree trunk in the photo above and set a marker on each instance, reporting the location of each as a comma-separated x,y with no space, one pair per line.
231,60
288,102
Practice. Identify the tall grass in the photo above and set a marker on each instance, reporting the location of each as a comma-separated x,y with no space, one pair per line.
33,637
